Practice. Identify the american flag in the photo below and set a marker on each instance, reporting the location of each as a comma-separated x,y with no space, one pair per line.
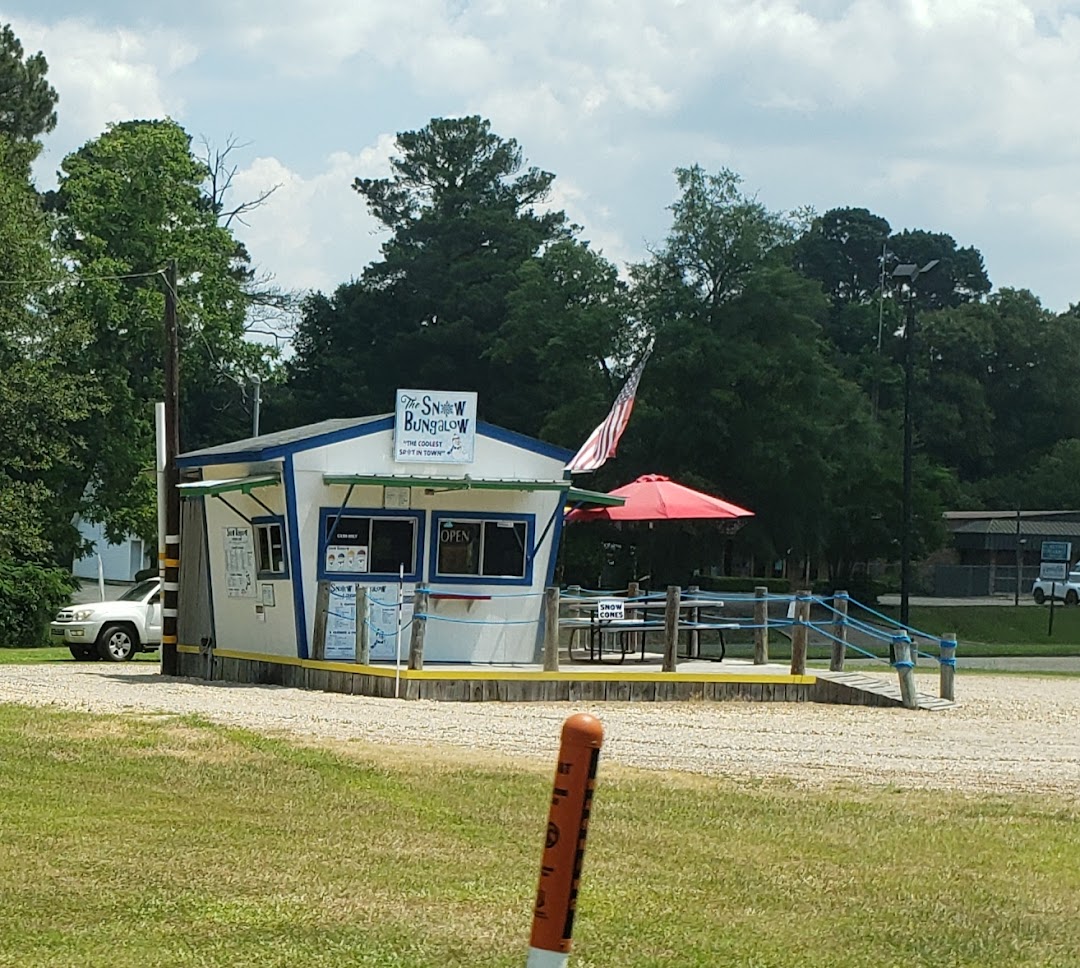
604,439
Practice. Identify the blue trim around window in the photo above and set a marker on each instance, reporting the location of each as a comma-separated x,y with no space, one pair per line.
279,520
328,514
529,520
288,478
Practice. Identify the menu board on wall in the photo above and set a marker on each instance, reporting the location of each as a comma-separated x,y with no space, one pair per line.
239,562
382,619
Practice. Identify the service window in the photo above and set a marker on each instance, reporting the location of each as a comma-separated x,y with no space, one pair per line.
481,548
369,544
270,560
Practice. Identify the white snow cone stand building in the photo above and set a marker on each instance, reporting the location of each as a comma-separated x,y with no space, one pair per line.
278,530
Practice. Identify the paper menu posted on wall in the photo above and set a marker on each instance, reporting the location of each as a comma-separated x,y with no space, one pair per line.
382,619
239,562
341,623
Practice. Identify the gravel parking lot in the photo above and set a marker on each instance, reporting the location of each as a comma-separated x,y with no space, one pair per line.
1007,733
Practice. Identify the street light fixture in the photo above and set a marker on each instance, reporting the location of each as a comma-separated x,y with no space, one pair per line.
908,273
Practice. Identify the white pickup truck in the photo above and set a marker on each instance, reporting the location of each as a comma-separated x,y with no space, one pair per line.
113,630
1067,590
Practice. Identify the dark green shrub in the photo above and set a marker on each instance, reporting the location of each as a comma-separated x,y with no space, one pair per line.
30,596
860,588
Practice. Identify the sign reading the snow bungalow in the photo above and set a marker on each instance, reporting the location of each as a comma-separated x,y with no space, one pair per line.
435,426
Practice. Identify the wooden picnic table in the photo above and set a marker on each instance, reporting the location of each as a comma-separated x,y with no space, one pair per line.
628,634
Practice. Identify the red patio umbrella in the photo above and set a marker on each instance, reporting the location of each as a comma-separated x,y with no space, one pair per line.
654,497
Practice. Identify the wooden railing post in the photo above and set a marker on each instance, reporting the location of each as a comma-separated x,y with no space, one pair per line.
947,664
671,629
551,629
800,635
633,589
905,669
693,638
761,625
322,608
840,626
363,638
419,624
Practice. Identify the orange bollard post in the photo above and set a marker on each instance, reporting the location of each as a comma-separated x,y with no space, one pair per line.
564,846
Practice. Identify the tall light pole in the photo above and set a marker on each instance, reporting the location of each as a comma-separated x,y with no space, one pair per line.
909,273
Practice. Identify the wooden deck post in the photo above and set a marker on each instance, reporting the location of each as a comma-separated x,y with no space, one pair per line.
671,629
322,607
551,629
761,625
363,638
839,648
800,634
947,663
633,590
905,669
419,623
693,636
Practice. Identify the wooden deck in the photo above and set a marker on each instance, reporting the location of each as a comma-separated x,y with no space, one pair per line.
580,681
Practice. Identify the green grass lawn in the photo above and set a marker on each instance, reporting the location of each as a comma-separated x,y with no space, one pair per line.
160,841
53,653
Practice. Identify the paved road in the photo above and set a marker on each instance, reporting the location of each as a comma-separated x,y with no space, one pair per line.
976,600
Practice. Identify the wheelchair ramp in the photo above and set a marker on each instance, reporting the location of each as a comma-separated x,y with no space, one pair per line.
858,689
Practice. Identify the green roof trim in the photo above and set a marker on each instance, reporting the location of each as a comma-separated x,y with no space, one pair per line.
581,496
245,485
446,483
467,483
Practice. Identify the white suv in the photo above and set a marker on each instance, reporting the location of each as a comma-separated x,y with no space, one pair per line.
113,630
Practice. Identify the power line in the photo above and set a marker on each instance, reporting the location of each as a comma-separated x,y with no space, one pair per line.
63,280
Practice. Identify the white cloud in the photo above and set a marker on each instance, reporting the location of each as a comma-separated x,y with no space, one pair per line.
103,75
313,233
959,111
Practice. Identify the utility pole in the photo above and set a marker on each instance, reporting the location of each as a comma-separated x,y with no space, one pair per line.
911,272
906,484
171,585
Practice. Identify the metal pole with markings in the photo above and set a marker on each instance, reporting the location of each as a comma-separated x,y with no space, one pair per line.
564,842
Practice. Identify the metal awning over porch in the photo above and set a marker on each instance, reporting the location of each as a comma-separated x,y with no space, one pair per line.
467,483
245,485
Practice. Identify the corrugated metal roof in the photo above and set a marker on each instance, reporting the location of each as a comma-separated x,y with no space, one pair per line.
285,437
1028,528
1011,515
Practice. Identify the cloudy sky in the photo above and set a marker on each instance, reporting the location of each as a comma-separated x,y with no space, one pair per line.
957,115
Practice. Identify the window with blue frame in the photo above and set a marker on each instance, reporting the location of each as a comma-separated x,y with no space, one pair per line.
492,548
369,543
270,558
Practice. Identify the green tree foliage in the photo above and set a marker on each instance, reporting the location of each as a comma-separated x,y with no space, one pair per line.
567,319
470,242
959,277
27,100
843,250
128,203
740,396
996,384
42,399
1053,481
